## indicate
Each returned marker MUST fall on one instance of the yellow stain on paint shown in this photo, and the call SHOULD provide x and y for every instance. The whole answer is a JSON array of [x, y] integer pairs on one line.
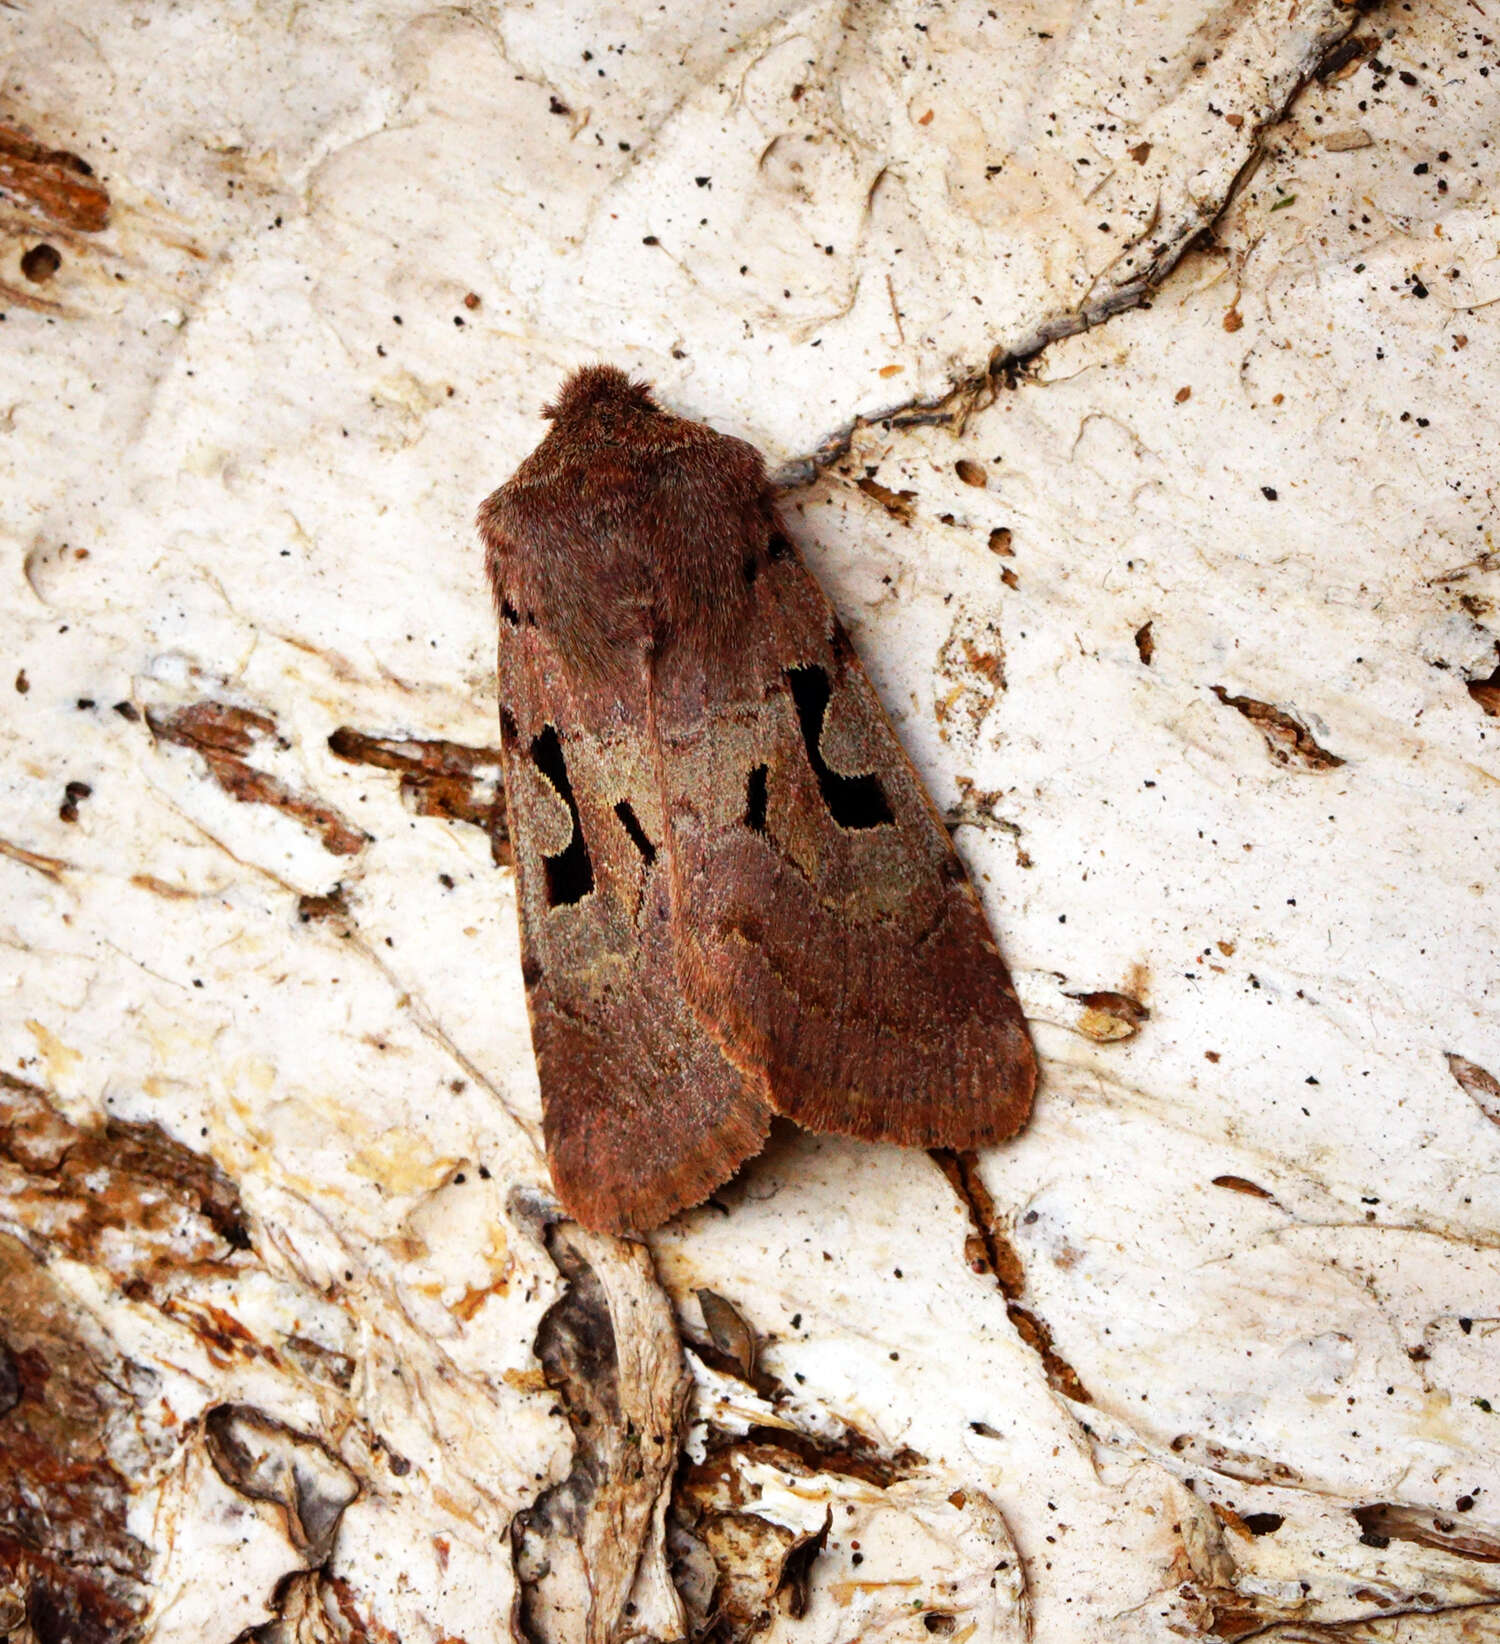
[[400, 1161], [60, 1059], [1438, 1422], [1104, 1027]]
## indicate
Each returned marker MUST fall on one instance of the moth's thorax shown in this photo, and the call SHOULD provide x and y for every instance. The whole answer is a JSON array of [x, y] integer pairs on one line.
[[628, 529]]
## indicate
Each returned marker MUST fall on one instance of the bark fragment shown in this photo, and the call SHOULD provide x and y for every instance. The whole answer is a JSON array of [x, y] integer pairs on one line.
[[990, 1250], [122, 1196], [438, 778], [68, 1563], [1385, 1521], [1288, 740], [51, 182], [80, 1424], [266, 1460], [590, 1552], [223, 734]]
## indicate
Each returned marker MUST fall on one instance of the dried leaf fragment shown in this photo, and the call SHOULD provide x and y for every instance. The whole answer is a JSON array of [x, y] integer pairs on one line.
[[594, 1543], [898, 504], [266, 1460], [731, 1335], [741, 1573], [438, 778], [1242, 1184], [1486, 692], [796, 1567]]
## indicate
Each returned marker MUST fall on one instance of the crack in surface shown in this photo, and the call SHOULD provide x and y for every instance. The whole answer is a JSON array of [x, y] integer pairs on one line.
[[1008, 367]]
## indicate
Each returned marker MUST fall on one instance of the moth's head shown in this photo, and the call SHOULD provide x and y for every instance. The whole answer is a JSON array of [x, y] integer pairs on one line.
[[599, 388]]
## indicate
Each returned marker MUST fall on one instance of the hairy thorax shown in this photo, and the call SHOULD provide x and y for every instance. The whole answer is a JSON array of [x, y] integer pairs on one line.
[[628, 544]]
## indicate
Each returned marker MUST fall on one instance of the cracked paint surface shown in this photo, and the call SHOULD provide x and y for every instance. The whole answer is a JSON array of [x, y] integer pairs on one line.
[[1190, 620]]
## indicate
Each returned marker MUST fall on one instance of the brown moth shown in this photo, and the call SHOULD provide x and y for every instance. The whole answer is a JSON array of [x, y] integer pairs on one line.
[[736, 899]]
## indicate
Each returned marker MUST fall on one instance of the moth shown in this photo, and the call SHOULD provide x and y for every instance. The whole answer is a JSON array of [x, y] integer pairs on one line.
[[736, 899]]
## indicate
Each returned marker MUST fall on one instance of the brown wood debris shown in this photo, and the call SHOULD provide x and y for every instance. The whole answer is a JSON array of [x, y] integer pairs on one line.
[[223, 734]]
